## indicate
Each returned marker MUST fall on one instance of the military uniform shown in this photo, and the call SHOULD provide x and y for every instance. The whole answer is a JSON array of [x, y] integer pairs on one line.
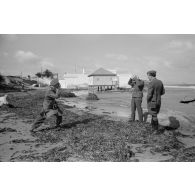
[[50, 108], [137, 95], [155, 91]]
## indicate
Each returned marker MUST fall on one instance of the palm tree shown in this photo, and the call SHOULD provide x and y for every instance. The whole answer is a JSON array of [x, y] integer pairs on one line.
[[47, 73], [38, 74]]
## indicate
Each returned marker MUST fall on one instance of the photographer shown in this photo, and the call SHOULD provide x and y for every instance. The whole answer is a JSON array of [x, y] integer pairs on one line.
[[50, 106], [137, 95]]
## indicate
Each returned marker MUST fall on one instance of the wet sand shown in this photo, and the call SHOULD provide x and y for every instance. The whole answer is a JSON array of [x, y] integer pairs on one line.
[[83, 136]]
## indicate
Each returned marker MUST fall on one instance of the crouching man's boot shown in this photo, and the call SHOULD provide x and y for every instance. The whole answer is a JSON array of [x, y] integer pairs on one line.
[[58, 121], [38, 122], [154, 123]]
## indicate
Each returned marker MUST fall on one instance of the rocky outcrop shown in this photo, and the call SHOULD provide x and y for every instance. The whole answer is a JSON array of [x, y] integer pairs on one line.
[[92, 96]]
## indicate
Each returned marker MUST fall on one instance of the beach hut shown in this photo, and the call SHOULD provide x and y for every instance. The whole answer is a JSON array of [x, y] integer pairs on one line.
[[103, 79]]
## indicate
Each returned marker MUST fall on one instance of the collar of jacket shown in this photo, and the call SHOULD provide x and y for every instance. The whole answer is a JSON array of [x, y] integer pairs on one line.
[[153, 79]]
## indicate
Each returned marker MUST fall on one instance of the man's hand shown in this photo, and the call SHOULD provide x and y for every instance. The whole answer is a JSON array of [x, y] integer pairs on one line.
[[135, 77], [57, 91]]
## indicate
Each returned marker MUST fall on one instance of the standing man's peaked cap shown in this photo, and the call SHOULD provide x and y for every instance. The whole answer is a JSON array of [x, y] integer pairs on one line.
[[152, 73]]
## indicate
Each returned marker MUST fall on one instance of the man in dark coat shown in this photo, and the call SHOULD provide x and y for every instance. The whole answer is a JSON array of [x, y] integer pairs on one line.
[[155, 91], [50, 106], [137, 95]]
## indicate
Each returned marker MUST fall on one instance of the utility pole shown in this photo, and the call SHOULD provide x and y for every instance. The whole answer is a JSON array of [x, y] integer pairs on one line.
[[83, 70], [41, 72]]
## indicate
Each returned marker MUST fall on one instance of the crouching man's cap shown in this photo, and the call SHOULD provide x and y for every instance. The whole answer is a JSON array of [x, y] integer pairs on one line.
[[152, 73], [54, 82]]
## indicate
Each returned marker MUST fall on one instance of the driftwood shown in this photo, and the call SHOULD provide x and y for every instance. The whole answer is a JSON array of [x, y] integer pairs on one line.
[[3, 100], [187, 101]]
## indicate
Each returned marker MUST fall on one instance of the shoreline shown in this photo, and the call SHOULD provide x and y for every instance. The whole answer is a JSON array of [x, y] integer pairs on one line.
[[179, 87]]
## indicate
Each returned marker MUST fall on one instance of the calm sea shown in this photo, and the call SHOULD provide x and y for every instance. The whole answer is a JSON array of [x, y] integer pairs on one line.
[[117, 104]]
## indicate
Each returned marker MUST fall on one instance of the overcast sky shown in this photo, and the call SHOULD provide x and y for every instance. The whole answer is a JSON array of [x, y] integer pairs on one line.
[[172, 56]]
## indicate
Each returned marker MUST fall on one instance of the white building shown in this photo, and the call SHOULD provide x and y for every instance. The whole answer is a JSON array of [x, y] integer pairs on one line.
[[123, 80], [100, 78], [103, 79], [74, 81]]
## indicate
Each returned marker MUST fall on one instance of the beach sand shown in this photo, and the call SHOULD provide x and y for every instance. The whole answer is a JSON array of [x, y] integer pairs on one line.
[[83, 136]]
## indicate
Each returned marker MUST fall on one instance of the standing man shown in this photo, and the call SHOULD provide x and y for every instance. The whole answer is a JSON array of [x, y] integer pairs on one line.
[[50, 106], [137, 95], [155, 91]]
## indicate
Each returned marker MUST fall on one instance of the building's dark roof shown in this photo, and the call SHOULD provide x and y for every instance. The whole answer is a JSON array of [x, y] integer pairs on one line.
[[102, 72]]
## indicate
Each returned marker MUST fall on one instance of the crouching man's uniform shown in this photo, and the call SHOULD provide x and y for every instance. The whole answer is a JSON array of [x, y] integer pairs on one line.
[[155, 91], [50, 106], [137, 95]]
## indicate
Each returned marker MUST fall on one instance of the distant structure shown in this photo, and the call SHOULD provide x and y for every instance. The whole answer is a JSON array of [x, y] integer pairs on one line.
[[123, 80], [74, 81], [99, 80], [103, 79]]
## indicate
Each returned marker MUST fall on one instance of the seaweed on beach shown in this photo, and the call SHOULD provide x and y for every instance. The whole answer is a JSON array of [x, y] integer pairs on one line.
[[7, 129], [88, 137], [103, 140], [185, 155]]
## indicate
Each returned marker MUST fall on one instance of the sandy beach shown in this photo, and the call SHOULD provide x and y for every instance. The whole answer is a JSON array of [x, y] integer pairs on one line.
[[84, 136]]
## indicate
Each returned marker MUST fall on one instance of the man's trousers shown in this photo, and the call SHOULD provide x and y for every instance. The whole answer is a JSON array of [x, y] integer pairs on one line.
[[47, 114], [154, 112], [136, 103]]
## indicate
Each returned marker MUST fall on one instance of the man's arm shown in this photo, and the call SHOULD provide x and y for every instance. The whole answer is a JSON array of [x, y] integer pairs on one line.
[[139, 83], [150, 92], [131, 82], [163, 90], [53, 95]]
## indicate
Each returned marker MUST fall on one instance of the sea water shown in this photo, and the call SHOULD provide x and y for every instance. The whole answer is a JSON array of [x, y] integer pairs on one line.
[[118, 104]]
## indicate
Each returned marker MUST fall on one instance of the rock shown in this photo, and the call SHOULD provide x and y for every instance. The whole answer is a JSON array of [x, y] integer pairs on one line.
[[67, 94], [92, 96], [173, 124]]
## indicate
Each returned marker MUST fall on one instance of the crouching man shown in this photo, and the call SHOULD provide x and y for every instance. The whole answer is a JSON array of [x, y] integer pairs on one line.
[[155, 91], [50, 106], [137, 95]]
